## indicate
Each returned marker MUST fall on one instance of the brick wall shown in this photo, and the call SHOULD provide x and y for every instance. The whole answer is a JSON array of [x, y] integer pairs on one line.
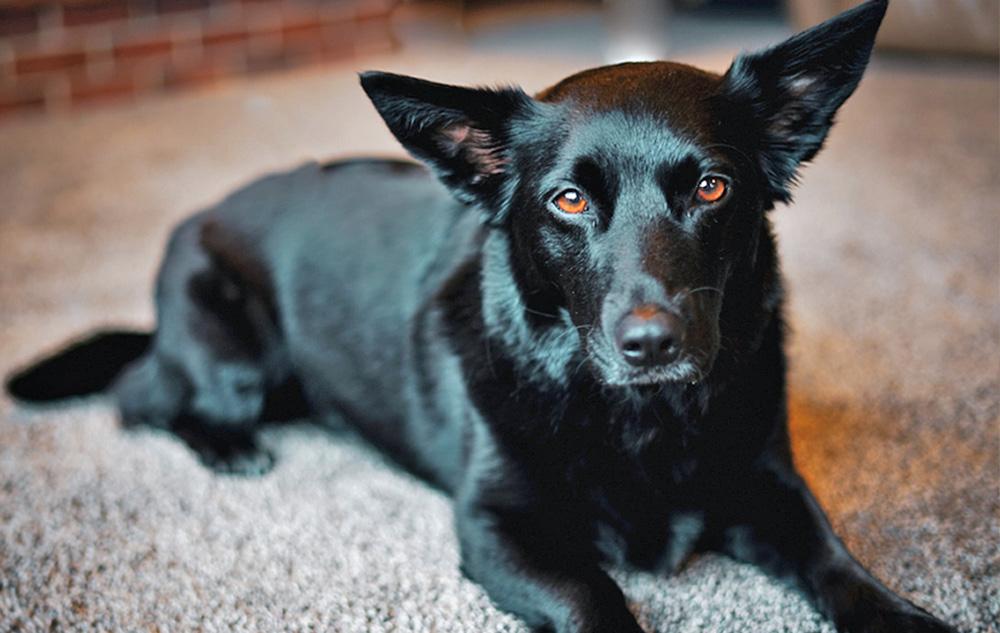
[[61, 54]]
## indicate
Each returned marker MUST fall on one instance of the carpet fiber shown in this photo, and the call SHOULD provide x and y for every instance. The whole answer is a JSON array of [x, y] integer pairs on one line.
[[891, 255]]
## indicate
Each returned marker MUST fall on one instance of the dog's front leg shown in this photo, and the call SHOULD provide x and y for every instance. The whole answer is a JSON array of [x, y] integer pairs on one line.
[[538, 575], [773, 521]]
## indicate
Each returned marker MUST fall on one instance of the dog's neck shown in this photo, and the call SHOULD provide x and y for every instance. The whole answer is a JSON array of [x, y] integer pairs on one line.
[[544, 344]]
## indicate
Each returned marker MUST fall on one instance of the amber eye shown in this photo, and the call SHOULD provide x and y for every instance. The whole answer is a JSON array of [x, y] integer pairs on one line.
[[711, 189], [571, 201]]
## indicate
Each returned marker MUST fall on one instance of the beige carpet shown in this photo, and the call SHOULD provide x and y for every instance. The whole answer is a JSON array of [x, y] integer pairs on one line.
[[891, 254]]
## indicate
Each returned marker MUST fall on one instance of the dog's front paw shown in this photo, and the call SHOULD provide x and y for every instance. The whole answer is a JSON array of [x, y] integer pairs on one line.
[[225, 450], [605, 625], [602, 618], [250, 463]]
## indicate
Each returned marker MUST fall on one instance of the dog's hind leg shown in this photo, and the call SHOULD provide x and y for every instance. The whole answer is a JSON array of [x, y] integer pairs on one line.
[[223, 355], [212, 361], [153, 392], [150, 392]]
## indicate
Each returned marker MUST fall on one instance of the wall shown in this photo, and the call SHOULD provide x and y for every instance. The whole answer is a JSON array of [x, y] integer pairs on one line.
[[58, 55]]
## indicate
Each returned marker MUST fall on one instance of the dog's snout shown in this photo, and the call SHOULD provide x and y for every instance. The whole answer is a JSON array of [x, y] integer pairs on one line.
[[649, 336]]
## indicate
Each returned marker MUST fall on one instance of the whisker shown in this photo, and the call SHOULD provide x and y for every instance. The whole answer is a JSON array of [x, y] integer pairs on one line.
[[540, 313], [580, 365], [688, 293]]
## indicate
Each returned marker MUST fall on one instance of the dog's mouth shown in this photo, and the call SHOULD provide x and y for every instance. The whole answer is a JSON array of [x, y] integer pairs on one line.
[[690, 368], [681, 371]]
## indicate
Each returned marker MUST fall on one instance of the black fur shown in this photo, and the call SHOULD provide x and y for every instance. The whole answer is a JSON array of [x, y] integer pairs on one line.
[[485, 338], [84, 367]]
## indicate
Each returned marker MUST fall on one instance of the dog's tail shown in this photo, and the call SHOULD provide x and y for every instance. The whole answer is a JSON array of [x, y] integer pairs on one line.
[[86, 366]]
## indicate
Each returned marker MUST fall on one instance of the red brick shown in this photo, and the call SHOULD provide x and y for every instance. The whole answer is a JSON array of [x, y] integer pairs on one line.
[[302, 39], [224, 36], [374, 35], [310, 28], [94, 11], [143, 48], [18, 20], [225, 56], [49, 62], [116, 89], [337, 51], [21, 102], [176, 6], [305, 57], [266, 61], [203, 75], [370, 9]]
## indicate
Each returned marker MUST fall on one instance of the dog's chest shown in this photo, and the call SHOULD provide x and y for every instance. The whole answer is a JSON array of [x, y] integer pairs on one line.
[[648, 523], [660, 547], [637, 492]]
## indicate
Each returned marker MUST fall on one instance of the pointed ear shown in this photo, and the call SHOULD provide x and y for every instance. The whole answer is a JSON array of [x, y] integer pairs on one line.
[[462, 133], [782, 100]]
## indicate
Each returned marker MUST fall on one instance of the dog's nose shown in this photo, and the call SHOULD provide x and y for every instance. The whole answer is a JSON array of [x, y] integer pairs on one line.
[[649, 336]]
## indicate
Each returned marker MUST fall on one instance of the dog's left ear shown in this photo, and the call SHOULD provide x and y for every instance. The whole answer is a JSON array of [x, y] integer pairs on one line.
[[782, 100], [462, 133]]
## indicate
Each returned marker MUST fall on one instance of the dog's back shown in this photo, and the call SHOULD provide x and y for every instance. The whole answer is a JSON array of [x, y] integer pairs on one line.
[[345, 256], [315, 277]]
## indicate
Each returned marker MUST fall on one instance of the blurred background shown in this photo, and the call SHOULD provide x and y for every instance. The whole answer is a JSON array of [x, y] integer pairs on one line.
[[118, 118], [57, 55]]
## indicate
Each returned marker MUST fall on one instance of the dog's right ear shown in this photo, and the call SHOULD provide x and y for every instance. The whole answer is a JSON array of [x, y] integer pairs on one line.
[[782, 100], [462, 133]]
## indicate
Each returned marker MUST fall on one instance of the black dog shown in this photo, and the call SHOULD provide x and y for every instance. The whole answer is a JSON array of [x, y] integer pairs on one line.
[[585, 349]]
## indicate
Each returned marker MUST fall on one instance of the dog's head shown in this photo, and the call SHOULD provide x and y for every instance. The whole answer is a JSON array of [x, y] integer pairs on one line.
[[631, 197]]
